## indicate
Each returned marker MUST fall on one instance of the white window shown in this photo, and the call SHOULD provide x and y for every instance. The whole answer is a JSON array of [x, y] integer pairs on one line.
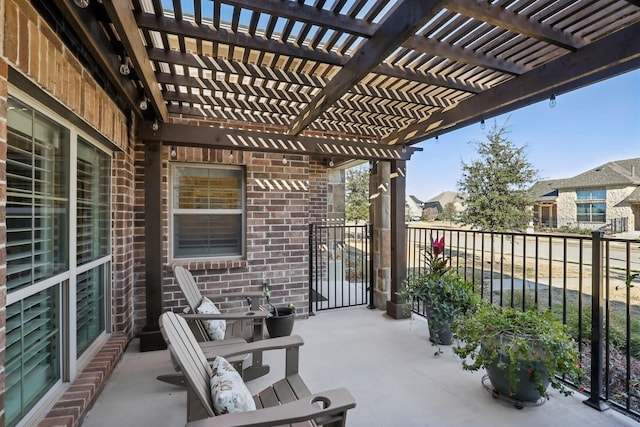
[[208, 214], [58, 253]]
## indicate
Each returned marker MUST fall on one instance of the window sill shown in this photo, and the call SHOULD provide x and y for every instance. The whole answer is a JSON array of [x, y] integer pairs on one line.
[[204, 264]]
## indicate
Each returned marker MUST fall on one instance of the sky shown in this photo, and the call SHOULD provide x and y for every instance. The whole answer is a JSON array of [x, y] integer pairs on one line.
[[587, 128]]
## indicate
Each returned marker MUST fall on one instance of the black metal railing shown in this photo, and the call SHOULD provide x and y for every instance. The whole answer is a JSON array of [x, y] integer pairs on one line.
[[582, 279], [339, 266]]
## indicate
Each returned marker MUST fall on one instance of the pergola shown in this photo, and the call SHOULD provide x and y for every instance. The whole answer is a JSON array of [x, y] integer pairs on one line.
[[336, 79], [350, 79]]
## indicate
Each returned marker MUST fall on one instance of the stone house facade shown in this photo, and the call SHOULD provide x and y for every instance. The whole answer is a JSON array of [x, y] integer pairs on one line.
[[605, 196]]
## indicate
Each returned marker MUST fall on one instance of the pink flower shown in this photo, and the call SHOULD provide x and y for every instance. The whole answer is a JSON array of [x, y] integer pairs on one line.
[[489, 328], [437, 246], [581, 389]]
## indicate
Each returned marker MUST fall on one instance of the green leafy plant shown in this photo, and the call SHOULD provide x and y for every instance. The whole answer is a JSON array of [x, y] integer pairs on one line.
[[446, 294], [517, 340]]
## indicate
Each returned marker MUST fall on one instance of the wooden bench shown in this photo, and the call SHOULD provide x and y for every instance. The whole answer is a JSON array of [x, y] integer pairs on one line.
[[286, 402]]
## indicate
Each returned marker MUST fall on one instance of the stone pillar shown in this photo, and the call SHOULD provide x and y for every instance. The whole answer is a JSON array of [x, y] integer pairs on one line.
[[379, 185], [397, 308]]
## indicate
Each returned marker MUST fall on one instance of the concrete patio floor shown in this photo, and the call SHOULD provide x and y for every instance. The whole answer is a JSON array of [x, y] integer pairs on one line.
[[388, 365]]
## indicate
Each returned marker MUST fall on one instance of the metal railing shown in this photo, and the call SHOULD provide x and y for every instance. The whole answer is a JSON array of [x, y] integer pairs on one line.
[[339, 266], [582, 279]]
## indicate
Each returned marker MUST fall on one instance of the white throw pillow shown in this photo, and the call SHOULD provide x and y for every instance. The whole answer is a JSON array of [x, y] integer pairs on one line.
[[215, 328], [229, 393]]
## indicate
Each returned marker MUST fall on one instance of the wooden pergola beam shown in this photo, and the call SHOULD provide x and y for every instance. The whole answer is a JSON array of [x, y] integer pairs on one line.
[[152, 22], [401, 23], [459, 54], [88, 29], [308, 14], [121, 16], [236, 139], [611, 55], [504, 18]]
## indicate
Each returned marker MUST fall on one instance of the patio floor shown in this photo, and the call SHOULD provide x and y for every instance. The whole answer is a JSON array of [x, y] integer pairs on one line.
[[388, 365]]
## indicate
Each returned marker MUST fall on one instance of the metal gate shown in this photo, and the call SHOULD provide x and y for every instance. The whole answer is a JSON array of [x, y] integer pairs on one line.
[[340, 267]]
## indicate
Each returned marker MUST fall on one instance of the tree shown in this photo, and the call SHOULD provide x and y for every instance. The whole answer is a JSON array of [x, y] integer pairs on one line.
[[449, 212], [357, 194], [496, 185]]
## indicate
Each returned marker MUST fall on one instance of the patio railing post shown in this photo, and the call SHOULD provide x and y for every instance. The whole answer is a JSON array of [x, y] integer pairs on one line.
[[597, 308], [369, 231], [311, 255]]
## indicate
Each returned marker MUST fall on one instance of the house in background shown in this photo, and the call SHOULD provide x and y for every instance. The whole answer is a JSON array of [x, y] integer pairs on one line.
[[608, 195], [413, 208], [434, 206]]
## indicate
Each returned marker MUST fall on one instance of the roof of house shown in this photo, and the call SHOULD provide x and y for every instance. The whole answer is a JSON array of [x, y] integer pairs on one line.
[[546, 190], [446, 197], [416, 200], [619, 172], [634, 197]]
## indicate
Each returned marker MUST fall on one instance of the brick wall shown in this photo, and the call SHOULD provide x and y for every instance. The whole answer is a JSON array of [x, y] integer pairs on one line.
[[34, 49], [277, 228]]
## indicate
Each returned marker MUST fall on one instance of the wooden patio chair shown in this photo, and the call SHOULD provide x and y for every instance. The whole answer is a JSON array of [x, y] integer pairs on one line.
[[288, 401], [255, 318]]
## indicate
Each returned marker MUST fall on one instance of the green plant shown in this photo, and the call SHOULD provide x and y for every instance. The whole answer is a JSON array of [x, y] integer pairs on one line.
[[446, 294], [515, 340]]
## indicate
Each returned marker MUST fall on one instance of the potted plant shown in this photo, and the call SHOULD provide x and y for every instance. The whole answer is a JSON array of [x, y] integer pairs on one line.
[[522, 351], [280, 323], [444, 292]]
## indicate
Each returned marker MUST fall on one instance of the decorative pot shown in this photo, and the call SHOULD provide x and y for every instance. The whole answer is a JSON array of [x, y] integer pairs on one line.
[[440, 333], [280, 324], [525, 389]]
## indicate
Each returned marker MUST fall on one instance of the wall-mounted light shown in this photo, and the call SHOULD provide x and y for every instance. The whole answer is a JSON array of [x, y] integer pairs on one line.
[[173, 152], [81, 3], [552, 100], [230, 155], [144, 103], [482, 125], [155, 126], [284, 160], [124, 66], [331, 163], [404, 148]]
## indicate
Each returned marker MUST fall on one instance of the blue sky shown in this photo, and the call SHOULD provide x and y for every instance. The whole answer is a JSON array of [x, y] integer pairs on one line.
[[587, 128]]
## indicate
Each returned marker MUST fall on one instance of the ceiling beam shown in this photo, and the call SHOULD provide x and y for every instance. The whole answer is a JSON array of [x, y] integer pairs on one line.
[[420, 77], [602, 59], [89, 30], [308, 14], [400, 24], [445, 50], [121, 16], [235, 139], [151, 22], [503, 18]]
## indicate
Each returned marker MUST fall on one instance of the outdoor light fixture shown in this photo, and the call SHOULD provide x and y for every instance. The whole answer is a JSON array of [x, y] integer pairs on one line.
[[404, 149], [124, 66], [230, 154], [155, 125], [482, 125], [284, 160], [143, 103], [81, 3], [173, 152], [331, 163], [552, 100]]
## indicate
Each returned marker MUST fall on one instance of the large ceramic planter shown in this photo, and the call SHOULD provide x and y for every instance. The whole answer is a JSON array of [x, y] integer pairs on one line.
[[280, 324], [525, 389]]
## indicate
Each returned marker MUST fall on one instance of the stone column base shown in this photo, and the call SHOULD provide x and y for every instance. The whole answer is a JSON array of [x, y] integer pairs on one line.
[[398, 311]]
